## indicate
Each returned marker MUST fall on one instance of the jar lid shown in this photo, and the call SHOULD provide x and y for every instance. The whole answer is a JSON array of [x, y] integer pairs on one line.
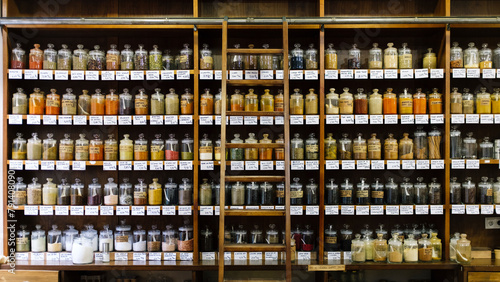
[[186, 228], [80, 50], [50, 49], [141, 50], [123, 227], [185, 185]]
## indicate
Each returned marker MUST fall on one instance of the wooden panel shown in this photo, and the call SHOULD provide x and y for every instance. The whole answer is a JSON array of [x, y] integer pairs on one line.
[[380, 8], [258, 8], [29, 276], [474, 8], [483, 276]]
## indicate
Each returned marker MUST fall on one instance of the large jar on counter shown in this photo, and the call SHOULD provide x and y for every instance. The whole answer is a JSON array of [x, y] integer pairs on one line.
[[19, 149], [49, 58], [485, 57], [252, 194], [485, 191], [354, 58], [80, 58], [185, 193], [296, 147], [360, 102], [297, 62], [390, 57], [375, 58], [346, 103], [141, 58], [332, 103], [111, 193], [77, 193], [345, 148], [330, 147], [170, 193], [456, 56], [126, 193], [36, 58], [391, 192], [464, 250], [20, 192], [346, 192], [49, 193], [205, 193], [359, 147], [34, 193], [140, 193], [127, 58], [377, 192], [471, 57], [63, 193], [331, 58]]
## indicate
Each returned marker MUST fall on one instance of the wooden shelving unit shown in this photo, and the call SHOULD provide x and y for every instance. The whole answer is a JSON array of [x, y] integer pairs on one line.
[[282, 34]]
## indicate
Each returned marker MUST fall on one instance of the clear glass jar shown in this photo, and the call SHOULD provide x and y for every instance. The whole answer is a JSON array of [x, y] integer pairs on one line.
[[18, 57], [375, 58], [346, 103], [419, 102], [96, 59], [297, 103], [360, 102], [141, 148], [495, 101], [49, 193], [297, 62], [34, 192], [84, 103], [240, 235], [280, 193], [483, 102], [266, 60], [52, 103], [64, 58], [252, 194], [390, 57], [126, 149], [464, 250], [38, 240], [468, 102], [80, 58], [485, 191], [332, 103], [106, 237], [331, 192], [111, 193], [205, 194], [96, 149], [308, 239], [68, 237], [346, 192], [235, 60], [485, 57], [170, 193], [469, 191], [455, 143], [330, 147], [185, 193], [390, 102], [126, 193], [237, 194], [471, 57], [267, 194], [311, 193], [168, 62], [237, 101], [20, 192], [345, 148], [436, 247], [34, 148], [206, 148], [455, 101], [435, 192], [171, 102], [421, 146], [155, 59], [123, 237], [391, 148], [407, 192], [36, 102], [50, 58], [469, 150], [279, 153], [362, 192], [453, 246], [251, 60], [430, 60], [140, 240], [406, 148], [311, 103], [410, 249], [375, 103], [406, 59], [297, 147], [19, 102], [140, 193], [187, 148], [434, 141], [455, 192], [354, 58], [359, 147], [19, 148], [206, 58], [68, 103], [185, 241], [113, 58], [331, 240], [251, 101], [296, 192], [256, 236], [141, 58], [358, 253], [169, 239], [331, 58], [91, 234], [36, 58], [380, 249], [94, 193], [311, 148], [237, 154], [185, 58], [391, 192], [63, 192], [77, 193], [49, 148], [155, 192], [112, 103], [311, 57], [346, 238], [456, 56], [266, 101], [377, 192], [425, 249], [405, 103], [207, 240], [435, 102], [265, 153], [395, 250], [486, 149], [127, 58], [496, 191]]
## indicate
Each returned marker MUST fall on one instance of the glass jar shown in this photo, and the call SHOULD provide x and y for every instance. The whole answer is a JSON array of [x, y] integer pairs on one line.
[[23, 239], [19, 192], [237, 194], [395, 250], [64, 58], [169, 239], [354, 58], [410, 249], [158, 148], [455, 191], [375, 103], [185, 193], [464, 250], [406, 148], [186, 104], [205, 193], [141, 103], [218, 102], [279, 153], [297, 62], [390, 103], [52, 103], [358, 253], [36, 102], [375, 58], [36, 58], [251, 60], [185, 241], [155, 59], [91, 234], [207, 103], [311, 193], [126, 149], [419, 102], [390, 57], [345, 147], [18, 57], [455, 143], [359, 148], [346, 238], [171, 103], [407, 192], [140, 238], [49, 58], [434, 140], [68, 103], [207, 240], [456, 56], [155, 193], [168, 62], [240, 235], [391, 192], [331, 58], [158, 103], [38, 240], [252, 194], [63, 192], [485, 191], [468, 105], [266, 60], [453, 246], [436, 247], [19, 148], [297, 103], [455, 101], [390, 148], [170, 193], [34, 193], [49, 193], [111, 149], [421, 147], [140, 193], [471, 57], [267, 194], [19, 102], [486, 149], [112, 58], [280, 193], [362, 192], [469, 191], [296, 192], [346, 103], [49, 148], [346, 192], [485, 57], [126, 193], [360, 102], [94, 193], [77, 193], [206, 58], [331, 243], [405, 103], [235, 60], [187, 148], [256, 236], [105, 237], [237, 101], [495, 101], [34, 147], [279, 104], [332, 103], [206, 148], [265, 154], [111, 193], [483, 102], [185, 58], [127, 58], [112, 103], [296, 147], [405, 57], [312, 148], [496, 191], [377, 192], [141, 148], [331, 192], [435, 192], [123, 238], [80, 58], [430, 60], [330, 147], [311, 57], [308, 239], [97, 103], [380, 249], [237, 154], [96, 59], [469, 147], [217, 152], [311, 103], [251, 101], [141, 58], [96, 149]]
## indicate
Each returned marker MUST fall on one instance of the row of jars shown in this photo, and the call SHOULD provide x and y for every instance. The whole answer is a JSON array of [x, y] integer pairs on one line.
[[113, 59], [108, 150], [468, 192], [375, 103], [241, 61], [250, 102], [467, 147], [424, 146], [240, 194], [474, 58], [112, 194], [124, 239], [377, 193], [240, 235], [480, 103], [104, 104]]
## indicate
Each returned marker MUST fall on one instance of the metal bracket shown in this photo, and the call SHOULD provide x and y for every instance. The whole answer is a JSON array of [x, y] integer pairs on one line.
[[448, 27], [322, 28], [195, 28]]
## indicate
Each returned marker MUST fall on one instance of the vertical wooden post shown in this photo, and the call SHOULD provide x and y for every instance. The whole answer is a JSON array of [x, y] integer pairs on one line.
[[447, 121], [321, 143], [196, 168]]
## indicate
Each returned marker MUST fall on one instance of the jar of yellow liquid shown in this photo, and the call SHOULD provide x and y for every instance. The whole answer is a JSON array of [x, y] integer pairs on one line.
[[251, 101], [267, 101], [483, 102], [430, 60], [405, 102], [495, 101]]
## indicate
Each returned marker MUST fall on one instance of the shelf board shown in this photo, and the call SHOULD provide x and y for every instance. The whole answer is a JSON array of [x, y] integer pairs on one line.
[[261, 82], [254, 212], [100, 72], [21, 208], [253, 113], [255, 178], [254, 248], [256, 145], [253, 51]]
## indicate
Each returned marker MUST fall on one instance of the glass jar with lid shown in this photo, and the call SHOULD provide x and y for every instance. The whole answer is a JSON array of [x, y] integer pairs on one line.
[[453, 246], [483, 102], [240, 235], [362, 192], [469, 147], [405, 102], [464, 250], [345, 148], [185, 193], [185, 241], [495, 101], [435, 102], [206, 58], [406, 148], [346, 192], [430, 60], [469, 191], [308, 239], [380, 249], [187, 148], [311, 103], [391, 192], [297, 62], [207, 240], [158, 103], [330, 147], [170, 193], [266, 60], [390, 57], [280, 193], [207, 103], [390, 102], [375, 103], [410, 249], [358, 253], [34, 147], [420, 143], [331, 240], [97, 103], [236, 154], [34, 192], [471, 56], [407, 192], [126, 103], [251, 60], [171, 103], [297, 103], [311, 193], [19, 148], [63, 192], [218, 102], [111, 193], [19, 102], [468, 102], [419, 102], [390, 148], [296, 192], [272, 235], [297, 148], [126, 149], [375, 58], [496, 57], [105, 237], [113, 58], [50, 58], [486, 149], [141, 103], [267, 194], [266, 101], [141, 58], [311, 57], [217, 148], [359, 148], [312, 148], [49, 193], [94, 193], [185, 58], [237, 101], [252, 194], [36, 102], [112, 103], [49, 148], [360, 102], [206, 148], [455, 101], [140, 193], [455, 191], [238, 194], [377, 192], [456, 56], [421, 192], [80, 58], [77, 193], [52, 103], [155, 59], [235, 60], [485, 191], [38, 240], [332, 103], [434, 141], [345, 238], [265, 154], [96, 149], [496, 191], [279, 153], [455, 143], [141, 148], [346, 103], [127, 58], [436, 247], [435, 192], [395, 250], [96, 59], [155, 193], [485, 57], [126, 193], [123, 237], [18, 57], [154, 239], [354, 58], [22, 239], [205, 194], [36, 58], [256, 236], [158, 149], [169, 239], [405, 57], [251, 101], [19, 196], [68, 103], [331, 192], [168, 62], [331, 58]]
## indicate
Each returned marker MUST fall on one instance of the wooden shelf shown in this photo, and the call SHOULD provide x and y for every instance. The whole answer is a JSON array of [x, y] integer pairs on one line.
[[254, 248], [100, 72], [21, 208], [254, 212], [261, 82], [253, 113], [255, 178], [254, 51], [256, 145]]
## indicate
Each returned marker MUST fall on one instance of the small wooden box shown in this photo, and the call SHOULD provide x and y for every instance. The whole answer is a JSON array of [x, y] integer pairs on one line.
[[481, 253]]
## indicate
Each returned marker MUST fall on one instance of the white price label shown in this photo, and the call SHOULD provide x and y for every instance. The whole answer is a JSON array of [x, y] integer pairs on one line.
[[346, 74], [459, 73], [296, 120], [487, 209], [408, 164], [124, 165], [407, 74], [91, 75], [472, 118], [76, 210], [266, 165], [137, 75], [331, 210], [363, 165], [296, 210], [207, 165], [457, 119], [331, 74], [227, 256], [184, 210], [168, 210], [421, 209], [237, 165], [486, 119], [65, 120], [392, 210], [472, 164], [153, 210], [312, 210], [38, 256], [378, 165], [235, 74], [332, 119], [392, 164], [458, 164], [185, 165], [240, 255], [16, 165], [138, 210], [297, 165], [347, 119], [312, 165], [334, 255], [312, 119], [158, 120], [187, 120], [271, 256], [30, 74], [53, 256], [122, 75], [376, 74], [391, 119], [121, 256], [183, 75], [80, 120], [49, 120], [361, 119], [33, 120], [296, 75], [421, 119], [348, 165], [279, 120], [62, 210], [30, 210], [472, 209], [362, 210], [391, 74], [437, 73], [47, 165], [206, 74], [377, 210], [304, 255], [437, 164], [110, 120], [107, 75], [473, 73], [311, 75], [347, 210], [497, 209], [169, 256], [139, 120], [152, 75], [266, 120], [167, 75], [91, 210], [267, 207], [360, 74], [437, 119], [421, 73], [218, 75], [236, 120], [122, 210], [206, 210], [61, 75], [154, 256], [107, 211], [46, 75], [208, 256], [77, 75], [251, 74], [406, 209], [280, 165], [255, 256], [140, 165], [15, 74], [407, 119], [250, 120], [423, 164], [15, 119], [266, 74], [376, 119], [46, 210], [31, 165], [489, 73], [170, 165], [157, 165], [96, 120], [108, 165], [66, 257], [252, 165]]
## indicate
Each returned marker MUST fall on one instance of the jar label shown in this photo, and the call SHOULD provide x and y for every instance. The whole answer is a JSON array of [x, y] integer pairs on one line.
[[296, 194], [205, 149], [331, 240], [406, 103], [280, 194], [359, 149], [53, 103], [482, 102], [121, 239], [140, 148], [489, 192], [23, 240], [95, 150], [70, 104], [126, 149], [378, 194], [438, 102], [362, 193], [140, 195], [110, 149], [65, 149], [390, 147], [156, 148], [207, 60], [312, 148], [374, 148], [141, 103], [345, 193]]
